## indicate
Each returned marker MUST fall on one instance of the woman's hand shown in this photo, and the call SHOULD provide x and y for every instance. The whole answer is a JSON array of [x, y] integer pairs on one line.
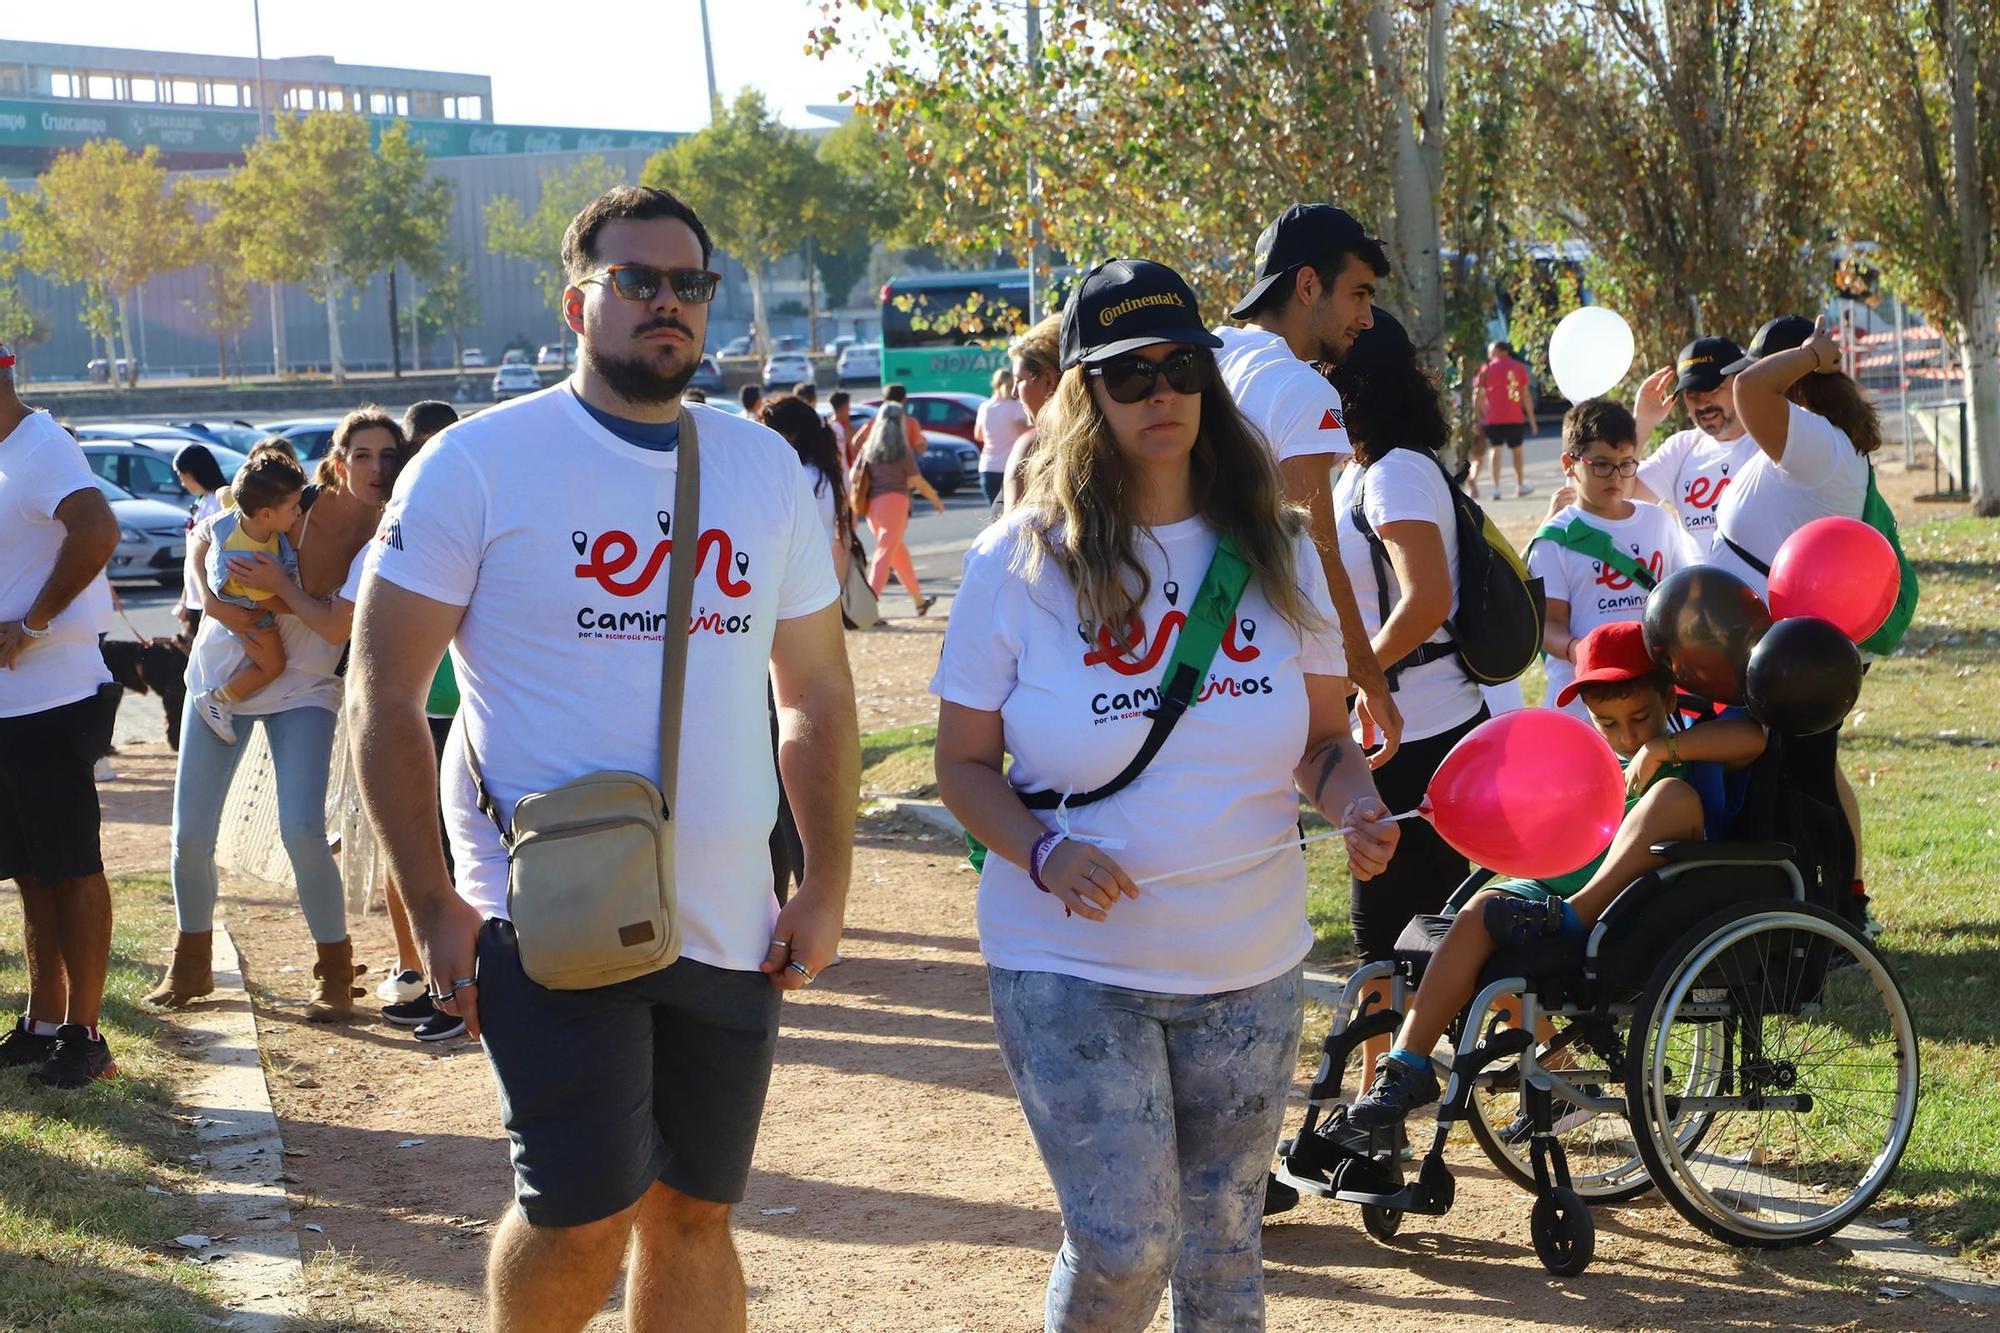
[[937, 504], [1644, 764], [1085, 879], [1655, 400], [260, 572], [1824, 347], [236, 619], [1370, 840]]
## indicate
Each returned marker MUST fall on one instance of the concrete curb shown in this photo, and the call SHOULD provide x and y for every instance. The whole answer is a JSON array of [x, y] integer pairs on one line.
[[243, 1200]]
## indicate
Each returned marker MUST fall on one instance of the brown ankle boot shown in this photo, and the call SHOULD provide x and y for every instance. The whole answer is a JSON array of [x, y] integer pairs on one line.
[[191, 973], [334, 989]]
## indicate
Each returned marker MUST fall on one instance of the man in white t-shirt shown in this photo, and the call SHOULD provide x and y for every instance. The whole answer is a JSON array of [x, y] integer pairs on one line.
[[57, 533], [1692, 469], [535, 539], [1315, 291]]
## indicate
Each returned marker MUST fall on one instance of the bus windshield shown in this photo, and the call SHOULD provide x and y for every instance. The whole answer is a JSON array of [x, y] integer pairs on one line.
[[948, 332]]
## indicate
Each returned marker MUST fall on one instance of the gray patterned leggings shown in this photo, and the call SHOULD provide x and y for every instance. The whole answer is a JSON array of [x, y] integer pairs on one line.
[[1155, 1116]]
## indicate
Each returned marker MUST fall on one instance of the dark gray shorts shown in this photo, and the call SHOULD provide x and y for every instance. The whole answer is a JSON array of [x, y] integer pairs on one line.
[[605, 1091]]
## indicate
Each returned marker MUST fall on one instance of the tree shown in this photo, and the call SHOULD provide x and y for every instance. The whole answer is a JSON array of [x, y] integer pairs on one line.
[[855, 200], [751, 179], [21, 325], [399, 217], [1922, 178], [450, 305], [106, 217], [296, 203], [537, 236], [216, 246]]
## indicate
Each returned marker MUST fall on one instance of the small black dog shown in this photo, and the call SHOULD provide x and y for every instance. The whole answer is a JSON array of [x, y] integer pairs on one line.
[[158, 667]]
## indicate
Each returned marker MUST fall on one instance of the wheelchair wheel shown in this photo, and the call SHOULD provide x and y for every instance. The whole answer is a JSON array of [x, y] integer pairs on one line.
[[1814, 1093], [1602, 1152], [1382, 1223], [1565, 1236]]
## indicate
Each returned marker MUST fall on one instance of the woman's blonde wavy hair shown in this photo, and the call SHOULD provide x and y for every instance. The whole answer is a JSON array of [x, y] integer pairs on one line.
[[1083, 497]]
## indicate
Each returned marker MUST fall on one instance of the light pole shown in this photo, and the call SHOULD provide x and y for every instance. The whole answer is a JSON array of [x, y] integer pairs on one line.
[[264, 132], [708, 55], [1034, 178]]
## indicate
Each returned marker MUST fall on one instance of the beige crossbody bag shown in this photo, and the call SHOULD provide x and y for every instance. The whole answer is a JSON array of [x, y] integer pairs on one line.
[[590, 864]]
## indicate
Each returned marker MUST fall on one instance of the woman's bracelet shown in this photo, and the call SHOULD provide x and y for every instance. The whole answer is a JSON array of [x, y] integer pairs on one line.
[[1038, 856]]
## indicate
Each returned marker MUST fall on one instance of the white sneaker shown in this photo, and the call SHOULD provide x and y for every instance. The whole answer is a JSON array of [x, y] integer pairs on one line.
[[217, 715], [1496, 492], [1523, 488], [104, 772], [401, 988]]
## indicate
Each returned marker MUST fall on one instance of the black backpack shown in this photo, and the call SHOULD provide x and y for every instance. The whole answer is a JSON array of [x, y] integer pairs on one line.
[[1496, 632]]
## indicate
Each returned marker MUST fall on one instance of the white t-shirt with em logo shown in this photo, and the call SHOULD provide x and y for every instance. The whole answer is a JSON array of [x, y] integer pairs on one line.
[[1690, 471], [553, 534], [1600, 596], [1073, 717]]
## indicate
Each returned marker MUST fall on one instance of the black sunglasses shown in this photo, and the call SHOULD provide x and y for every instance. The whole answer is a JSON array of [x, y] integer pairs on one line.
[[642, 282], [1130, 379]]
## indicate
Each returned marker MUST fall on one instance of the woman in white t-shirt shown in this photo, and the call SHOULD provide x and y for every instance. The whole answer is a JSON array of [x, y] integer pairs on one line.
[[1149, 1018], [1001, 421], [1406, 590], [202, 475]]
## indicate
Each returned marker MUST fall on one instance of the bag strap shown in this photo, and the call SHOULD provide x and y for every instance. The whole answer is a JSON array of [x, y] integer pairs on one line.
[[1208, 619], [1378, 557], [681, 564], [1595, 542], [1747, 558]]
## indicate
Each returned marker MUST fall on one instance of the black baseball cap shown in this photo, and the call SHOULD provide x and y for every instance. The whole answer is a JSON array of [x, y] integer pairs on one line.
[[1125, 304], [1385, 342], [1780, 335], [1302, 234], [1704, 363]]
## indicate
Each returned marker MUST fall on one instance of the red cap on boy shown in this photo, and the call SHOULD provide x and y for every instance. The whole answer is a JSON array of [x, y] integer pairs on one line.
[[1608, 655]]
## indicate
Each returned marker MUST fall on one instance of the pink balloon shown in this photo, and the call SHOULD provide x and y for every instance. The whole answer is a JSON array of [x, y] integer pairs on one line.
[[1531, 793], [1840, 570]]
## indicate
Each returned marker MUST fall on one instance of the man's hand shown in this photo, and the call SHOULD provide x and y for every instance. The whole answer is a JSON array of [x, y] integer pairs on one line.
[[1371, 841], [13, 642], [447, 932], [1377, 707], [1655, 400], [807, 933]]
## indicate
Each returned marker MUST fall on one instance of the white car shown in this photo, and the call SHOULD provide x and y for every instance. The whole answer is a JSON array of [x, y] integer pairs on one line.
[[152, 537], [473, 358], [785, 369], [860, 363], [511, 381]]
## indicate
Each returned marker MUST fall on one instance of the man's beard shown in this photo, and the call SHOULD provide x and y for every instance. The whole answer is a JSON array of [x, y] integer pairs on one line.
[[1714, 423], [637, 379]]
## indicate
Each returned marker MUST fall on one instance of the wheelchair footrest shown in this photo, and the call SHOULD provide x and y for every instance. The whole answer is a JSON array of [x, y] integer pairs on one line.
[[1431, 1194]]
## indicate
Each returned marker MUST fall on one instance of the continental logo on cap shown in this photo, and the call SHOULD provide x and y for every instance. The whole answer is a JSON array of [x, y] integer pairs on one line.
[[1112, 313], [1691, 361]]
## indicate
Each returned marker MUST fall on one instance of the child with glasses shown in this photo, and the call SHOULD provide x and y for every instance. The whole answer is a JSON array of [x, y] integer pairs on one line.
[[1599, 556]]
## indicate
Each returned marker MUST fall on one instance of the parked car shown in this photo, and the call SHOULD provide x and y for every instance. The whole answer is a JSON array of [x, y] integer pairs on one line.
[[552, 354], [860, 363], [99, 369], [141, 472], [789, 345], [472, 359], [840, 344], [707, 377], [952, 413], [238, 435], [310, 437], [152, 537], [736, 347], [515, 378], [947, 462], [514, 356], [785, 369]]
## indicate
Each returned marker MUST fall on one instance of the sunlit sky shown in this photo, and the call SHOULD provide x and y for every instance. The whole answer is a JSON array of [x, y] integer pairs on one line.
[[610, 64]]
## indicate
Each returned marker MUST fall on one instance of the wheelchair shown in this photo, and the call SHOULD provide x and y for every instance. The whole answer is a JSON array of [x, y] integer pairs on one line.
[[1728, 1034]]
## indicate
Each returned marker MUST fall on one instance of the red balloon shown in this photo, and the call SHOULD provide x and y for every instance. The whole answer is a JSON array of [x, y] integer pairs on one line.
[[1840, 570], [1531, 793]]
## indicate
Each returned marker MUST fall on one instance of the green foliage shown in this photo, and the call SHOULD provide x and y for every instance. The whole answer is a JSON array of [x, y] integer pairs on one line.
[[297, 201], [450, 304], [216, 243], [536, 236], [399, 211]]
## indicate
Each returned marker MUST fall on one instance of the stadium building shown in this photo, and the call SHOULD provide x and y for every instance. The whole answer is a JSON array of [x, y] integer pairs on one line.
[[201, 111]]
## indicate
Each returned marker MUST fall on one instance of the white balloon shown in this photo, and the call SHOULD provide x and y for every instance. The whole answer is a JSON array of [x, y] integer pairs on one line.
[[1590, 352]]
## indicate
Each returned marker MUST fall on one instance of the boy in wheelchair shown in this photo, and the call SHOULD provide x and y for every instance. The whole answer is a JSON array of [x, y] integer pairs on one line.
[[1681, 786]]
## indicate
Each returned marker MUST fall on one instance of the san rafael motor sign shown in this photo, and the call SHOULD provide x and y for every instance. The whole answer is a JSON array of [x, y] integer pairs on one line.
[[64, 124]]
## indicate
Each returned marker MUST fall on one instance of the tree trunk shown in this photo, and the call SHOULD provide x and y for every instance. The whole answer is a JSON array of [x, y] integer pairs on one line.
[[1979, 356], [416, 333], [457, 348], [1978, 281], [336, 362], [131, 376], [1416, 242], [760, 328], [395, 331]]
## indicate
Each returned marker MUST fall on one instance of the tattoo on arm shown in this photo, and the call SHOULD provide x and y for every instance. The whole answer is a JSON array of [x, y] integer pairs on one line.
[[1328, 754]]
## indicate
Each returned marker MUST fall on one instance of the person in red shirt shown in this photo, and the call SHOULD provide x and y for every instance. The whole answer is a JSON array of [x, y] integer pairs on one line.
[[1506, 415]]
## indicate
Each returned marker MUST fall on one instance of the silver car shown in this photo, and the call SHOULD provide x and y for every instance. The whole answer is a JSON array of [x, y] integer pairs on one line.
[[152, 537]]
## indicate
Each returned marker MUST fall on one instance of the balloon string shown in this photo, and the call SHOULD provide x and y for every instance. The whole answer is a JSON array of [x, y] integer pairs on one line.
[[1262, 852]]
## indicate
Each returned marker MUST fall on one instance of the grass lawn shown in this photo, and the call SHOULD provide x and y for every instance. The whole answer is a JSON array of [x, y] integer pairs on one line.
[[85, 1243], [1923, 751]]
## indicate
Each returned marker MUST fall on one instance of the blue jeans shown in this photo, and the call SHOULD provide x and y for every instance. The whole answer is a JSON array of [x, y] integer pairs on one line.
[[991, 484], [1155, 1115], [302, 752]]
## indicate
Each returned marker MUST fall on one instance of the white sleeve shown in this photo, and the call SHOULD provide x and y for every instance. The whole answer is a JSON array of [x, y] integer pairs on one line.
[[1305, 418], [1545, 562], [350, 591], [1321, 651], [1813, 446], [808, 584], [1395, 489], [981, 660], [58, 471], [1658, 470], [433, 533]]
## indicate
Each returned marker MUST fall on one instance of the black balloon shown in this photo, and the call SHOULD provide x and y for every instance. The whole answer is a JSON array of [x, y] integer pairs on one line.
[[1804, 676], [1701, 623]]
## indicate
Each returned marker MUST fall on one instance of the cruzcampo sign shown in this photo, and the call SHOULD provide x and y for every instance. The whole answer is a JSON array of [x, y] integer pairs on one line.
[[62, 124]]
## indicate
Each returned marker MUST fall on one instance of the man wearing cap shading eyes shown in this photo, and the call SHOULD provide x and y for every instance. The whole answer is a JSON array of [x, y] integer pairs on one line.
[[1317, 270], [1693, 468]]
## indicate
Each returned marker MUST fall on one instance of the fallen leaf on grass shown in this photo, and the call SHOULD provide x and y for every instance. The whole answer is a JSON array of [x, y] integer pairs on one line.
[[1895, 1224], [194, 1240], [314, 1226], [155, 1189], [413, 1143], [1893, 1293]]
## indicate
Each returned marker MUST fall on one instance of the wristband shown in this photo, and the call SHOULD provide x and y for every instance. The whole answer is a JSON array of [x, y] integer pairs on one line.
[[32, 633], [1673, 750], [1038, 857]]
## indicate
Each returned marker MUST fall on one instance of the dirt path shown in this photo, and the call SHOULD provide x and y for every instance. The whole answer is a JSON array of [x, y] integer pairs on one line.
[[896, 1187]]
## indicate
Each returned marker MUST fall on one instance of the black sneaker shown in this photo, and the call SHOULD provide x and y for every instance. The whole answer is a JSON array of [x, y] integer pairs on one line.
[[76, 1061], [441, 1026], [20, 1048], [1398, 1089], [411, 1013]]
